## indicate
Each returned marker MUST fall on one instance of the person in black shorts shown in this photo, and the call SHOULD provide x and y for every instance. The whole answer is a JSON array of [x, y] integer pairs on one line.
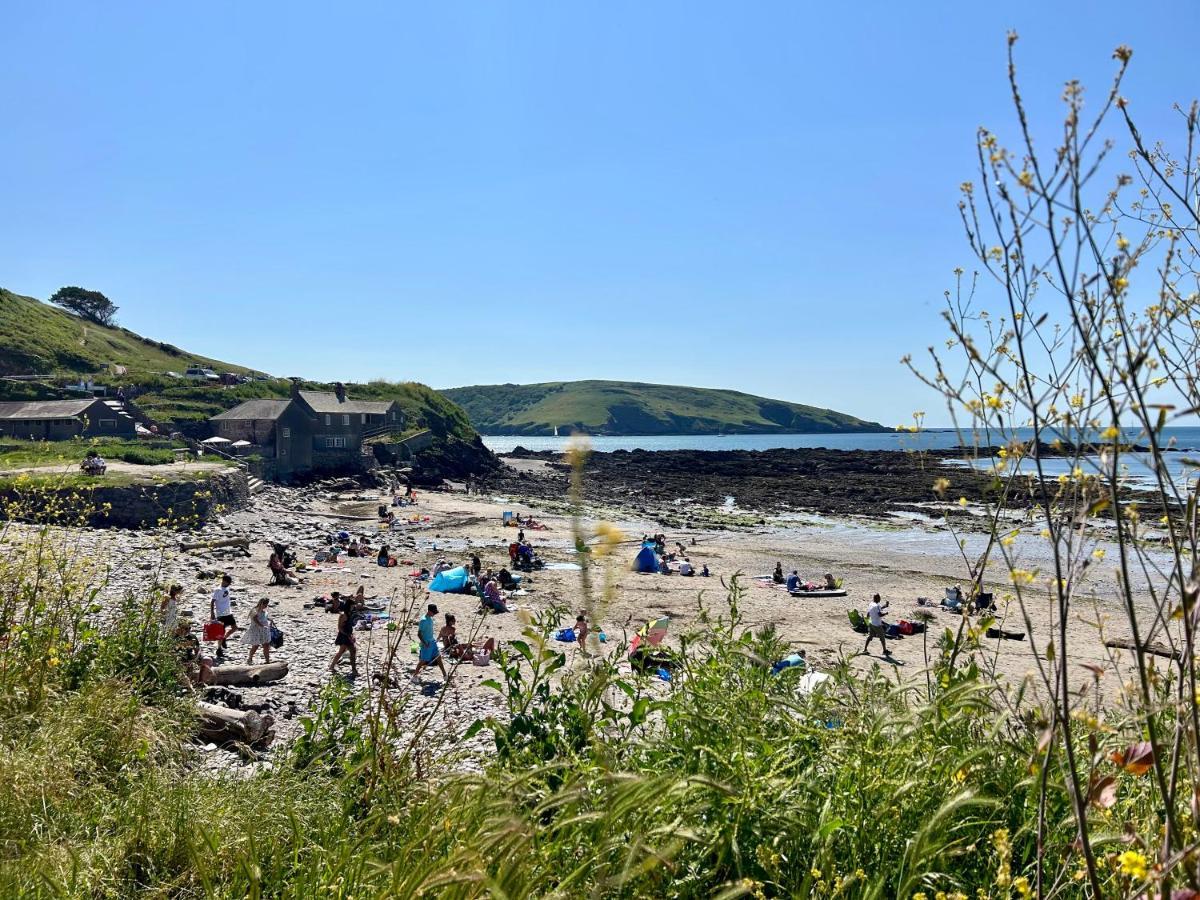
[[221, 609]]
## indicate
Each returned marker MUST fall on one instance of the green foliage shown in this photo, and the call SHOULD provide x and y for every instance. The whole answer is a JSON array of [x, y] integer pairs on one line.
[[617, 407], [90, 305], [41, 340], [16, 454]]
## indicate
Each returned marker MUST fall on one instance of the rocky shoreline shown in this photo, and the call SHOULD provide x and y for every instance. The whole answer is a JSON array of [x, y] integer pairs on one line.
[[830, 482]]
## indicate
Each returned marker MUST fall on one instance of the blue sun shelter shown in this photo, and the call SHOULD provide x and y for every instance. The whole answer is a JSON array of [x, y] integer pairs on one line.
[[646, 561], [451, 581]]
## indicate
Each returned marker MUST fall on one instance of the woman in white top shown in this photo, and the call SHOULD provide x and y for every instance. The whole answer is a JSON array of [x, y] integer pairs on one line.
[[170, 609], [258, 633]]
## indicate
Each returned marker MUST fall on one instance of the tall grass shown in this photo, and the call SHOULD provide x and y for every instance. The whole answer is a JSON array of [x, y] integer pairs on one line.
[[727, 780]]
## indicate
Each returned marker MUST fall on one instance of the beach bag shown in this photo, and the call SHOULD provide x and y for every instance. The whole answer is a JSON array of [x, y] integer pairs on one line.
[[905, 626], [276, 637], [214, 631], [481, 658], [567, 636]]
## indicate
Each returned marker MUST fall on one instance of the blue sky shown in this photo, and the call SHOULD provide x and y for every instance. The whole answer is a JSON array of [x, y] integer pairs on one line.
[[755, 196]]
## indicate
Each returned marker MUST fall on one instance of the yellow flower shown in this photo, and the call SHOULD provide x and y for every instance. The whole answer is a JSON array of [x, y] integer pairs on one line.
[[1098, 553], [1111, 433], [1021, 883], [1133, 864], [962, 501], [1026, 178], [1120, 283], [1122, 242]]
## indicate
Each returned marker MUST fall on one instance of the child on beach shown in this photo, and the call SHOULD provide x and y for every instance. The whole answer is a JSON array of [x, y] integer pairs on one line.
[[581, 631], [221, 610], [345, 638], [258, 634]]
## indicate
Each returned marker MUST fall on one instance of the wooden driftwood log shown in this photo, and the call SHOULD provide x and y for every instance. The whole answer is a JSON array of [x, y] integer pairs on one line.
[[243, 542], [222, 725], [1154, 647], [248, 675]]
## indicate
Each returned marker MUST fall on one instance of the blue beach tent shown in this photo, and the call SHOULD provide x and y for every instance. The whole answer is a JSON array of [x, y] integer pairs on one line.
[[646, 561], [451, 581]]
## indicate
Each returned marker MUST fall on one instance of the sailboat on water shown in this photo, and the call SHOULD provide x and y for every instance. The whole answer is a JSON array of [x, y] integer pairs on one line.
[[556, 431]]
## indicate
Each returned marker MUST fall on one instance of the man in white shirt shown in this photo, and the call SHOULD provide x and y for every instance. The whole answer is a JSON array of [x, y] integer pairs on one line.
[[875, 627], [221, 610]]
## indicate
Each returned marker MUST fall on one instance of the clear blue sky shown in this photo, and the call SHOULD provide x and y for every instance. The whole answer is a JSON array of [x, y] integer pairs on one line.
[[758, 196]]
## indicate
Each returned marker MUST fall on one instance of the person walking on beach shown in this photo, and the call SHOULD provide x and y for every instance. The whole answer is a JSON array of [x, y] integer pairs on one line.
[[258, 633], [875, 627], [221, 610], [427, 635], [345, 638]]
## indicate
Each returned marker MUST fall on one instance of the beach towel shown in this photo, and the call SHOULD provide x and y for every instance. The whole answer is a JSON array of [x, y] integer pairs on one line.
[[567, 636]]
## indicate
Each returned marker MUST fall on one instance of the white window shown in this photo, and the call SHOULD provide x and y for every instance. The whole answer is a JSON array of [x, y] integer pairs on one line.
[[108, 423], [328, 419], [345, 418], [287, 433], [331, 442], [364, 418], [393, 415]]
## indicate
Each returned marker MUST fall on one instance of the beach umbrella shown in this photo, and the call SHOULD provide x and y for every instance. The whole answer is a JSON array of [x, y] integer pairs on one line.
[[242, 444], [213, 441]]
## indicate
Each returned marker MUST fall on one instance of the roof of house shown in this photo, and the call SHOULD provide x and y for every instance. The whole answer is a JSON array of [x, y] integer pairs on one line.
[[255, 409], [322, 402], [45, 409]]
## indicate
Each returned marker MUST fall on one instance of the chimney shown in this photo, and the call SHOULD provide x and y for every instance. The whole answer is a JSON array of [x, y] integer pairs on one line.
[[340, 390], [295, 388]]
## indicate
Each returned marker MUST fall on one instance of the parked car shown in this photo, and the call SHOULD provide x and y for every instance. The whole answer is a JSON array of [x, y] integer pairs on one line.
[[201, 373]]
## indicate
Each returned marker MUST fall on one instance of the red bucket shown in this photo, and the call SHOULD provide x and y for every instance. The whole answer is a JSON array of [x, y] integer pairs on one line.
[[214, 631]]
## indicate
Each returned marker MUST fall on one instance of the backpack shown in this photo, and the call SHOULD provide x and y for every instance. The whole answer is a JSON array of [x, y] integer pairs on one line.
[[276, 637]]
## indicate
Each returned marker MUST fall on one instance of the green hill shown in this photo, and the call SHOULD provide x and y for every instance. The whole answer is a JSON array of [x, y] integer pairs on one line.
[[39, 339], [621, 408]]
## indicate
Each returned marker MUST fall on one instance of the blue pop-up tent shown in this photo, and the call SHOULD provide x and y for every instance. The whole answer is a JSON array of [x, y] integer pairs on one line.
[[451, 581], [646, 561]]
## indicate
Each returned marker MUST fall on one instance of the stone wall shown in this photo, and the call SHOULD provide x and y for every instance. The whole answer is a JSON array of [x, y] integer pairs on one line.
[[181, 504]]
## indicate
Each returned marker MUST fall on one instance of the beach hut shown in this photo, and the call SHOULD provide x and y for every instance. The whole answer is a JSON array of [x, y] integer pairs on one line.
[[645, 561]]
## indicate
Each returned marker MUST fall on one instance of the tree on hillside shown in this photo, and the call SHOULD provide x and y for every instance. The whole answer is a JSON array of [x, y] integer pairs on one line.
[[91, 305]]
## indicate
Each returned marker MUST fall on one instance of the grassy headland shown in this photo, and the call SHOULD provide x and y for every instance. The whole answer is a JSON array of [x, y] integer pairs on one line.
[[620, 408]]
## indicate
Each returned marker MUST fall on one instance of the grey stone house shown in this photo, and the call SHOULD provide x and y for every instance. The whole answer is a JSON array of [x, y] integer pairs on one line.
[[60, 420], [313, 431]]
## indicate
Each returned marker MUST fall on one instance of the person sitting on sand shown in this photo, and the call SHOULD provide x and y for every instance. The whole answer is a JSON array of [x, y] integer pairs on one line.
[[384, 558], [279, 572], [507, 582], [492, 598], [793, 582], [685, 567], [462, 651], [777, 575], [704, 573], [830, 583]]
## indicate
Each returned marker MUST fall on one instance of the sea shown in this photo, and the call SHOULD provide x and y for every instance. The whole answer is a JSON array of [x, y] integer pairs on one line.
[[1180, 465]]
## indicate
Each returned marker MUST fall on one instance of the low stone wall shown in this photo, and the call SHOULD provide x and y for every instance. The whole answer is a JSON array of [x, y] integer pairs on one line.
[[180, 504]]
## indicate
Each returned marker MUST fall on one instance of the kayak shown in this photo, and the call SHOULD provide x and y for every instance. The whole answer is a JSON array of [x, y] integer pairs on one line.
[[837, 592]]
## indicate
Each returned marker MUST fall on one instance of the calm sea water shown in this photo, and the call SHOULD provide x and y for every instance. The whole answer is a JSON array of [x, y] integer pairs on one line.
[[1186, 439]]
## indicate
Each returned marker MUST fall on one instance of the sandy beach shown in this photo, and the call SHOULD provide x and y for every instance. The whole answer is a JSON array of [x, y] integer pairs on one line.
[[900, 559]]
